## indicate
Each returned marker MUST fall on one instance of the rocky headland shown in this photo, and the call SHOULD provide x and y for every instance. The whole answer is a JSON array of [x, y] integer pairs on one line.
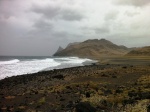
[[93, 48]]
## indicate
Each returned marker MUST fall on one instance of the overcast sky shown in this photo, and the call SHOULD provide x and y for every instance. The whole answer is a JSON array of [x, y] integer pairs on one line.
[[39, 27]]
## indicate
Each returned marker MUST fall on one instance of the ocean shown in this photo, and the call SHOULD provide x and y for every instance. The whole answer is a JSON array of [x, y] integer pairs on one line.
[[19, 65]]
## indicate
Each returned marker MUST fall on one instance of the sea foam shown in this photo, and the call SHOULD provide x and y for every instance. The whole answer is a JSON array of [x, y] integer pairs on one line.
[[16, 67], [26, 66], [9, 62]]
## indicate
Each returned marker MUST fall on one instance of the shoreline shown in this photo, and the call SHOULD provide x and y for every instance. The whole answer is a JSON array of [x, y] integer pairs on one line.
[[15, 67], [61, 90]]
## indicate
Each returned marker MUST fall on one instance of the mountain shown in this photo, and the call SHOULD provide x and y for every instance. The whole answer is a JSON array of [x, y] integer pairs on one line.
[[74, 43], [144, 51], [59, 49], [93, 48]]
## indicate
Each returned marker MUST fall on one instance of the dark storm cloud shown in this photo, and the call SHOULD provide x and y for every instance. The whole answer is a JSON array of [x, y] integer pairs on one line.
[[133, 2], [51, 12]]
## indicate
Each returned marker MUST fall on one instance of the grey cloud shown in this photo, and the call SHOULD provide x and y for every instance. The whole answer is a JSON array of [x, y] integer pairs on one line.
[[102, 30], [71, 16], [131, 14], [111, 15], [123, 39], [136, 3], [48, 11], [66, 37], [96, 30], [42, 24], [60, 34], [39, 27], [10, 8], [51, 12], [5, 13], [45, 30]]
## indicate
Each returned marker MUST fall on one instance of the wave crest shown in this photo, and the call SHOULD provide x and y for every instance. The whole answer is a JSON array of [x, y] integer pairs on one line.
[[9, 62]]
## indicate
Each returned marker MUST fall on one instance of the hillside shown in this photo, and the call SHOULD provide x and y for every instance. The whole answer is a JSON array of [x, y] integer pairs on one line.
[[93, 48], [144, 51], [74, 43]]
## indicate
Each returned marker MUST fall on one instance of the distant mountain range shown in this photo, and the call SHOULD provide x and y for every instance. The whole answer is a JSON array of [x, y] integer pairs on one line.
[[93, 48], [144, 51]]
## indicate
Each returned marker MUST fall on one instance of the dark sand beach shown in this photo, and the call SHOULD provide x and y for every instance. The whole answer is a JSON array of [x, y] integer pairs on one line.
[[115, 85]]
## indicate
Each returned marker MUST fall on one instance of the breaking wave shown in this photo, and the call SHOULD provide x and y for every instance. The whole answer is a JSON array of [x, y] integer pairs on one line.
[[26, 66], [9, 62]]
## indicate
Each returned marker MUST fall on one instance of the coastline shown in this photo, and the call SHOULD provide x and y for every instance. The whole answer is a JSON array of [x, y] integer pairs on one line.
[[13, 66], [67, 89]]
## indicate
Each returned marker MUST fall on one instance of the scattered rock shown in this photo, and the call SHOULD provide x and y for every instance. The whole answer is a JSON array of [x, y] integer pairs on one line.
[[148, 108], [58, 77], [104, 75], [124, 67], [119, 91], [107, 92], [84, 107], [87, 94], [62, 99], [114, 76]]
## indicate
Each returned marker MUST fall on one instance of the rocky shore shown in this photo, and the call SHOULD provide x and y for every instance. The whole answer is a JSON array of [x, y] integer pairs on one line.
[[91, 88]]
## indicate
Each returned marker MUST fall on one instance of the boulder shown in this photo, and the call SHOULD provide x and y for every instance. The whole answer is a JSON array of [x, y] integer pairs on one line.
[[58, 77]]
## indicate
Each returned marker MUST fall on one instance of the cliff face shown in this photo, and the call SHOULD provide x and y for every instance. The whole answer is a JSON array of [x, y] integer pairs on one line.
[[144, 51], [93, 48]]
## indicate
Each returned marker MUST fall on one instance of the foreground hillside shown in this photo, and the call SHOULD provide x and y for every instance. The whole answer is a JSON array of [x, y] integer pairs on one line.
[[144, 51], [93, 48], [94, 88]]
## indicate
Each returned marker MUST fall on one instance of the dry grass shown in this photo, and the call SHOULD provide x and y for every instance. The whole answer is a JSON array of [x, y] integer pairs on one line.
[[9, 97], [41, 101], [141, 106]]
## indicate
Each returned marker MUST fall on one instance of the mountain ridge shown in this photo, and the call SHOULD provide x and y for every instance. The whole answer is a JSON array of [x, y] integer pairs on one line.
[[94, 48], [143, 51], [59, 49]]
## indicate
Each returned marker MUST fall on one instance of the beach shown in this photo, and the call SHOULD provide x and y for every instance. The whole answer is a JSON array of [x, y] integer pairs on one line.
[[98, 87]]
